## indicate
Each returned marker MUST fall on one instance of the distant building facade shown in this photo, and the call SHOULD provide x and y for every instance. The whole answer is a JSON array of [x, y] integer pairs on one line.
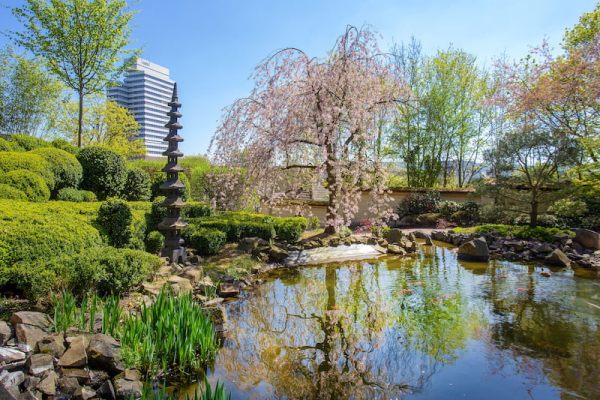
[[145, 91]]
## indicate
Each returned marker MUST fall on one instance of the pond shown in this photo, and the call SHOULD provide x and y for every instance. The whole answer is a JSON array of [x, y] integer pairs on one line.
[[428, 327]]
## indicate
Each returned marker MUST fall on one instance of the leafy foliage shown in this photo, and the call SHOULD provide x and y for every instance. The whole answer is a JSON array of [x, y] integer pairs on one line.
[[9, 192], [154, 242], [64, 165], [205, 241], [419, 203], [28, 182], [137, 187], [75, 195], [10, 161], [104, 171], [519, 231], [115, 217]]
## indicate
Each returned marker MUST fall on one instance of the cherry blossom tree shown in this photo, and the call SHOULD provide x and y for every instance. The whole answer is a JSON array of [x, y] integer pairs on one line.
[[314, 121]]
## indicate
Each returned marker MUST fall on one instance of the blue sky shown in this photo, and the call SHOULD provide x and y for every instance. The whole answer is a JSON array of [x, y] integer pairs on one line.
[[211, 47]]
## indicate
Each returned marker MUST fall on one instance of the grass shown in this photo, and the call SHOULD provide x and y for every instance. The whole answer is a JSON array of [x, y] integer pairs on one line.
[[173, 336], [518, 231], [67, 314], [208, 393]]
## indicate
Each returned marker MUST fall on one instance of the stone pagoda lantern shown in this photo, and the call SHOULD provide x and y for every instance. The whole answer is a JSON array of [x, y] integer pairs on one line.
[[172, 224]]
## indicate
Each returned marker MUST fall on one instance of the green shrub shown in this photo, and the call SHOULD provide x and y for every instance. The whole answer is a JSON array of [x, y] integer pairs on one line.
[[419, 203], [9, 192], [137, 187], [10, 161], [88, 196], [107, 270], [519, 231], [28, 182], [104, 171], [27, 142], [75, 195], [66, 169], [159, 179], [313, 223], [290, 229], [447, 208], [115, 218], [191, 209], [154, 242], [206, 241], [65, 145], [194, 209], [5, 145]]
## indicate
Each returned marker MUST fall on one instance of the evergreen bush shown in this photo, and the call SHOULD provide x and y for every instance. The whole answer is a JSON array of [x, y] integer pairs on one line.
[[27, 142], [28, 182], [104, 171], [206, 241], [64, 165], [419, 203], [75, 195], [65, 145], [10, 161], [115, 218], [154, 242], [5, 145], [138, 185], [9, 192]]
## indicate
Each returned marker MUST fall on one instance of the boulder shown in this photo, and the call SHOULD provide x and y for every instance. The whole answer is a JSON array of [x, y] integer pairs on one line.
[[68, 385], [84, 393], [394, 235], [408, 245], [558, 259], [97, 378], [82, 375], [395, 249], [587, 238], [30, 394], [75, 356], [28, 336], [48, 384], [9, 355], [125, 389], [428, 241], [250, 243], [52, 344], [32, 318], [9, 384], [103, 353], [106, 391], [474, 250], [228, 290], [277, 254], [193, 274], [5, 333], [40, 363], [542, 248], [180, 285]]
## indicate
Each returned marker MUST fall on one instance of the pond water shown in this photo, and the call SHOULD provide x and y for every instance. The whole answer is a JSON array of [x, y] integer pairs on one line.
[[428, 327]]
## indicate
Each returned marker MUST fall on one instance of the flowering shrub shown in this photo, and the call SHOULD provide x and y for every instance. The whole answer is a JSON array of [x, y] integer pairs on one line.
[[419, 203]]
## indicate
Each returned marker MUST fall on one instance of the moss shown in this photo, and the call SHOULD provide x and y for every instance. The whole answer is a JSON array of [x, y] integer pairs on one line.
[[518, 231]]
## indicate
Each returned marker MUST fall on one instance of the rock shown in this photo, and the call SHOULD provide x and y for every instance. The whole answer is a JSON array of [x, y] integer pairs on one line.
[[546, 273], [5, 333], [82, 375], [76, 355], [40, 363], [542, 248], [52, 344], [28, 336], [382, 242], [408, 245], [428, 241], [180, 285], [228, 290], [250, 243], [9, 355], [587, 238], [152, 288], [394, 235], [380, 249], [474, 250], [104, 353], [277, 254], [32, 318], [97, 378], [420, 235], [48, 384], [31, 382], [213, 302], [125, 389], [193, 274], [395, 249], [558, 258], [68, 385], [84, 393], [9, 393], [30, 394], [106, 391], [10, 379]]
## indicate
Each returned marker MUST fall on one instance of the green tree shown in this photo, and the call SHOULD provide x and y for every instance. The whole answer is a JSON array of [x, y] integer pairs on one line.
[[106, 124], [29, 96], [82, 41]]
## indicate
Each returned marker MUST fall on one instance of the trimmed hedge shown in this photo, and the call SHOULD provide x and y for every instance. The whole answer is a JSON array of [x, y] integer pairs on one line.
[[519, 231], [154, 242], [191, 209], [158, 180], [10, 161], [75, 195], [27, 142], [104, 171], [28, 182], [205, 241], [66, 169], [9, 192], [65, 145], [137, 186], [5, 145], [115, 218]]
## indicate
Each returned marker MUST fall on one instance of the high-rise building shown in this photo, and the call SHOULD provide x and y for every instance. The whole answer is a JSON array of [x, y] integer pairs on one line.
[[145, 91]]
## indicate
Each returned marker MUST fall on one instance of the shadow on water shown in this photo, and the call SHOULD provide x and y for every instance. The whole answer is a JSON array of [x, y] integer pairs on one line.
[[426, 327]]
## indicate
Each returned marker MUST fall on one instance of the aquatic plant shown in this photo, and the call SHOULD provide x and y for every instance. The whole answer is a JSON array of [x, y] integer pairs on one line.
[[65, 312], [150, 392], [171, 336]]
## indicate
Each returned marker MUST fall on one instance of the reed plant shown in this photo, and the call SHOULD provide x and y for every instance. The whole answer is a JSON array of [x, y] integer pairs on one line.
[[150, 392], [173, 336], [68, 315]]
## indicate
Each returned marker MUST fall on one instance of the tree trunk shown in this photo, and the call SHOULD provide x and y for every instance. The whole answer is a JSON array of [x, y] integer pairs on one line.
[[80, 121], [533, 214], [332, 206]]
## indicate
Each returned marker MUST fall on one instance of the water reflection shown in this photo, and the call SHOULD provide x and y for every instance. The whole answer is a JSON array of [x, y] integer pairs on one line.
[[427, 327]]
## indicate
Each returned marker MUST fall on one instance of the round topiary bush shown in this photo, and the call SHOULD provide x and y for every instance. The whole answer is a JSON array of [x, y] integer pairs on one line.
[[154, 242], [137, 187], [5, 145], [158, 179], [9, 192], [64, 165], [13, 160], [207, 241], [28, 182], [75, 195], [104, 171], [27, 142], [115, 217], [65, 145]]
